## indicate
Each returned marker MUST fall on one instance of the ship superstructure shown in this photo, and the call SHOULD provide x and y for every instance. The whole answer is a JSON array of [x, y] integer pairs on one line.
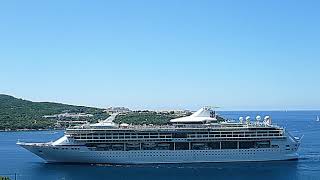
[[196, 138]]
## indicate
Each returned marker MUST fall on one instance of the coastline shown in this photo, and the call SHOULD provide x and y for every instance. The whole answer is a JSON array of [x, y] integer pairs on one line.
[[19, 130]]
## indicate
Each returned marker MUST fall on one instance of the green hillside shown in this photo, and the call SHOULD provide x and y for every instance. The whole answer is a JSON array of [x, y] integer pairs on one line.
[[145, 117], [22, 114]]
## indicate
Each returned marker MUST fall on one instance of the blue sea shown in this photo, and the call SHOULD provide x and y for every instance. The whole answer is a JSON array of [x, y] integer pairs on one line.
[[16, 160]]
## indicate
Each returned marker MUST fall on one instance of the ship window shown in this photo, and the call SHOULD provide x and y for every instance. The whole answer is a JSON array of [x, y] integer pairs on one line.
[[214, 132], [179, 135], [182, 146], [263, 144], [246, 144], [214, 145], [133, 136], [229, 145]]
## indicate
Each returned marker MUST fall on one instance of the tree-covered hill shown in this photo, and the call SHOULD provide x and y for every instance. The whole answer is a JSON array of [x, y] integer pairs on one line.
[[22, 114], [145, 117]]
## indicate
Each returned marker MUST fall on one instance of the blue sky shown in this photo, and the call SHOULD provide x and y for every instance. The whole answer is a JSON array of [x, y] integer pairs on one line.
[[252, 55]]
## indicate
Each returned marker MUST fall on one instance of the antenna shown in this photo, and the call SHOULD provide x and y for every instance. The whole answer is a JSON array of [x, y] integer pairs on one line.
[[213, 109]]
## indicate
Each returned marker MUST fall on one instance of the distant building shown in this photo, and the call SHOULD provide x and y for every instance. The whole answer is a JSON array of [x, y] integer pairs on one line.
[[111, 110], [176, 112], [68, 115]]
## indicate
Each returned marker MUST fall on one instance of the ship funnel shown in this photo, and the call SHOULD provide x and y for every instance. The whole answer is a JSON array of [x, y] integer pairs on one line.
[[258, 118], [204, 112]]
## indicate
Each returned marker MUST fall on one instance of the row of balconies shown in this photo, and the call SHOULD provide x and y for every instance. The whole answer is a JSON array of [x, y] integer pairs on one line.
[[170, 137], [142, 131], [188, 133]]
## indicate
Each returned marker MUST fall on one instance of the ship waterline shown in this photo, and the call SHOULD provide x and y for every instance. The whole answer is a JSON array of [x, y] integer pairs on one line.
[[196, 138]]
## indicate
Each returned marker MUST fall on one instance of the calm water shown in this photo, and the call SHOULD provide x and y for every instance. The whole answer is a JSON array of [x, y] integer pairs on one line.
[[14, 159]]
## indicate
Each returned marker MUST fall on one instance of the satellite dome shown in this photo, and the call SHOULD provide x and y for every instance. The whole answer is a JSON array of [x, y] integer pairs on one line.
[[241, 119], [258, 118]]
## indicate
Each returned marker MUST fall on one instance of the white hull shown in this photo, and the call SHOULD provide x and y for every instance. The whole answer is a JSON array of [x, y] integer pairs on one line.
[[158, 156]]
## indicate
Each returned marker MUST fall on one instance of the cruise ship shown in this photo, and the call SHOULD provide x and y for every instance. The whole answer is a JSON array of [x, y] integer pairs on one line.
[[200, 137]]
